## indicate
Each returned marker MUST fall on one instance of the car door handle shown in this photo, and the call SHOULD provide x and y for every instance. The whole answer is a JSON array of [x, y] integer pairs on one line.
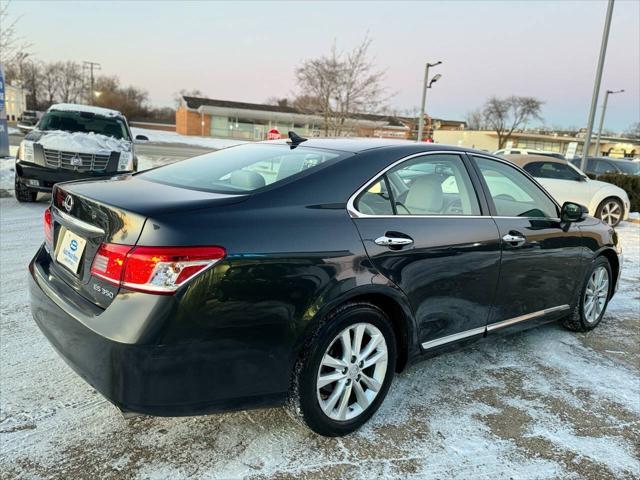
[[393, 241], [514, 240]]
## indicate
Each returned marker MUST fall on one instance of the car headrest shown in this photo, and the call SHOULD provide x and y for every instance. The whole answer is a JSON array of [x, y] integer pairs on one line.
[[425, 195], [246, 179]]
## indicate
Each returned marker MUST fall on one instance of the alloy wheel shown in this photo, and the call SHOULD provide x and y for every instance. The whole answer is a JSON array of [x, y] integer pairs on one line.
[[611, 213], [352, 371], [596, 293]]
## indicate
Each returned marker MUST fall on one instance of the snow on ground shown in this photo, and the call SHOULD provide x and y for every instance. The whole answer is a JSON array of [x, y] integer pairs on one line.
[[159, 136], [13, 130], [546, 403]]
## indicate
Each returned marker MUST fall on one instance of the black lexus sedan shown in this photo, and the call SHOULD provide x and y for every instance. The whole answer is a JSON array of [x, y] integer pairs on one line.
[[305, 273]]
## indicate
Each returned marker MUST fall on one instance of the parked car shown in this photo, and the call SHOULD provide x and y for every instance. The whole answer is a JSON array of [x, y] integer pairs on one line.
[[525, 151], [305, 274], [569, 184], [601, 165], [28, 120], [73, 142]]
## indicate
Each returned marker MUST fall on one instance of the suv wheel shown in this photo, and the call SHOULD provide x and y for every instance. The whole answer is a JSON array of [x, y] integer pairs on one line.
[[345, 371], [23, 193], [610, 211], [594, 298]]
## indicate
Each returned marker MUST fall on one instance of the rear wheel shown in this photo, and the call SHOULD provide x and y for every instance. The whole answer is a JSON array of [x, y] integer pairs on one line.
[[345, 372], [610, 211], [594, 297], [23, 193]]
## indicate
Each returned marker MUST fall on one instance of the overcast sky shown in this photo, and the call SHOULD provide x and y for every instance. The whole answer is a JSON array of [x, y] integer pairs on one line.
[[248, 51]]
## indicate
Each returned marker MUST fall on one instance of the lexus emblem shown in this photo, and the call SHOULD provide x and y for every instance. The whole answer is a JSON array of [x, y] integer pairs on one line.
[[68, 203]]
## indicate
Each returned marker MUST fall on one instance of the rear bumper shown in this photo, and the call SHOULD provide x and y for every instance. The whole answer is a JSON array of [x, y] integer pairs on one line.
[[48, 177], [147, 378]]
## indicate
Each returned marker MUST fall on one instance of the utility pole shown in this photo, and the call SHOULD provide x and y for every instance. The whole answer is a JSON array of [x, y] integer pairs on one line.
[[424, 97], [91, 66], [604, 111], [596, 86]]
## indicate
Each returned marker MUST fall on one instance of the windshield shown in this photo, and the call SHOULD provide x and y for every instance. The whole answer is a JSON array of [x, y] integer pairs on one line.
[[240, 169], [629, 167], [84, 122]]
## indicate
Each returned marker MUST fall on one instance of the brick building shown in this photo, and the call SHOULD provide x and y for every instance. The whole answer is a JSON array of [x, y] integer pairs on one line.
[[252, 121]]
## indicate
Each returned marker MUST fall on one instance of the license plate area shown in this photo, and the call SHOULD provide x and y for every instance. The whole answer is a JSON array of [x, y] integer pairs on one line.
[[70, 250]]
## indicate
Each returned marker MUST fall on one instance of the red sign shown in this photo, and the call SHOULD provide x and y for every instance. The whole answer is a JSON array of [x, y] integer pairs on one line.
[[274, 134], [429, 140]]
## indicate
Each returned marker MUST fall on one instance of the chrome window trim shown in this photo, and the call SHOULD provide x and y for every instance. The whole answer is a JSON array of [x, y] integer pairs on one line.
[[77, 222], [354, 213], [492, 327]]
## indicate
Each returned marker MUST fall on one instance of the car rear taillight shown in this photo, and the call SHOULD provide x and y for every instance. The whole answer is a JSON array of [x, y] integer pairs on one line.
[[108, 263], [152, 269], [48, 229]]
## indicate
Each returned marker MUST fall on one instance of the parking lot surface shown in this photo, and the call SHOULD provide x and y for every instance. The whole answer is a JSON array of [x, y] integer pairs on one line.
[[545, 403]]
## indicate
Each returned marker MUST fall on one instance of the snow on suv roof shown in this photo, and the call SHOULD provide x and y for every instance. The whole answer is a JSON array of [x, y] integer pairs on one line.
[[76, 107]]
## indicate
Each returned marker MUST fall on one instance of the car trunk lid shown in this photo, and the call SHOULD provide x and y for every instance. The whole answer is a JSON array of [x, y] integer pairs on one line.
[[86, 214]]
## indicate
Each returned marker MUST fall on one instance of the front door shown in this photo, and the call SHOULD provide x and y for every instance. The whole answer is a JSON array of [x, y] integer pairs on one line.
[[423, 229], [541, 257]]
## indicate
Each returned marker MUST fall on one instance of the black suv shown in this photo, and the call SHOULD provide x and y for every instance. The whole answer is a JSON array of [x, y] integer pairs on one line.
[[72, 142]]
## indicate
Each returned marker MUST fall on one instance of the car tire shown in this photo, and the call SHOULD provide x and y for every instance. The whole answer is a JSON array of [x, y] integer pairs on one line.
[[359, 389], [587, 315], [23, 193], [610, 211]]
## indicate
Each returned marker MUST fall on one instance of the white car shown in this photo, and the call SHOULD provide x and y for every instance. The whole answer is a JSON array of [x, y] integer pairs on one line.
[[567, 183], [524, 151]]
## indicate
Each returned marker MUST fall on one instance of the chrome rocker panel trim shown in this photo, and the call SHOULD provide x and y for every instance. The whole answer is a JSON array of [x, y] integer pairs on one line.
[[491, 327]]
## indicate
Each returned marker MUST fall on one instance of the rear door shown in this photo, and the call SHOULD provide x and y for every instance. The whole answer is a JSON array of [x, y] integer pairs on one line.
[[425, 228], [541, 256]]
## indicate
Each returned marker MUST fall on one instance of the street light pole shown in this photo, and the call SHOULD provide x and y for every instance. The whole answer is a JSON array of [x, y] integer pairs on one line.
[[424, 98], [604, 111], [596, 86]]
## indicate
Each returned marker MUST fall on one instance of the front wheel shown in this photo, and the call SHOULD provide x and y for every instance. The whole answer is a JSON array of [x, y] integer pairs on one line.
[[594, 298], [610, 211], [23, 193], [345, 372]]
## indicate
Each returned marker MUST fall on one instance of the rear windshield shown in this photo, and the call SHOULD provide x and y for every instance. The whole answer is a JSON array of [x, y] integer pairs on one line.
[[84, 122], [240, 169]]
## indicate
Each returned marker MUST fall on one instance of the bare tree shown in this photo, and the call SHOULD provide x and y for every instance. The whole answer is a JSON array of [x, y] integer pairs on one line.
[[342, 84], [475, 120], [11, 43], [505, 115], [51, 81], [131, 101], [186, 93], [71, 82], [633, 131]]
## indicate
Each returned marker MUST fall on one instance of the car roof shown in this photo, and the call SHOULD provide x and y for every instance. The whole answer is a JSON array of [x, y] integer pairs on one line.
[[76, 107], [523, 160], [356, 145]]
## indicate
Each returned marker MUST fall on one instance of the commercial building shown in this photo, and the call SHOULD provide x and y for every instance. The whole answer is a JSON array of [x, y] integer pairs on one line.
[[252, 121], [15, 102], [487, 140]]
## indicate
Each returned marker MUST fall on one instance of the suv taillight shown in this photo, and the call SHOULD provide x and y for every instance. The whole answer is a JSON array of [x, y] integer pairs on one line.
[[152, 269], [48, 229]]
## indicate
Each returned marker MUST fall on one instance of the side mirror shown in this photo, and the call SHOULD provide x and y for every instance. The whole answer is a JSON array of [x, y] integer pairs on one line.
[[572, 212], [142, 138]]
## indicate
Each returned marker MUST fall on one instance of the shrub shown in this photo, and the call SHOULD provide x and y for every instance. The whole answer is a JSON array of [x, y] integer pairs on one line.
[[629, 183]]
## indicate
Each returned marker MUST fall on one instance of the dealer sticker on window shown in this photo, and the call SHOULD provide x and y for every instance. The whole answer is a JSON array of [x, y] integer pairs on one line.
[[71, 250]]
